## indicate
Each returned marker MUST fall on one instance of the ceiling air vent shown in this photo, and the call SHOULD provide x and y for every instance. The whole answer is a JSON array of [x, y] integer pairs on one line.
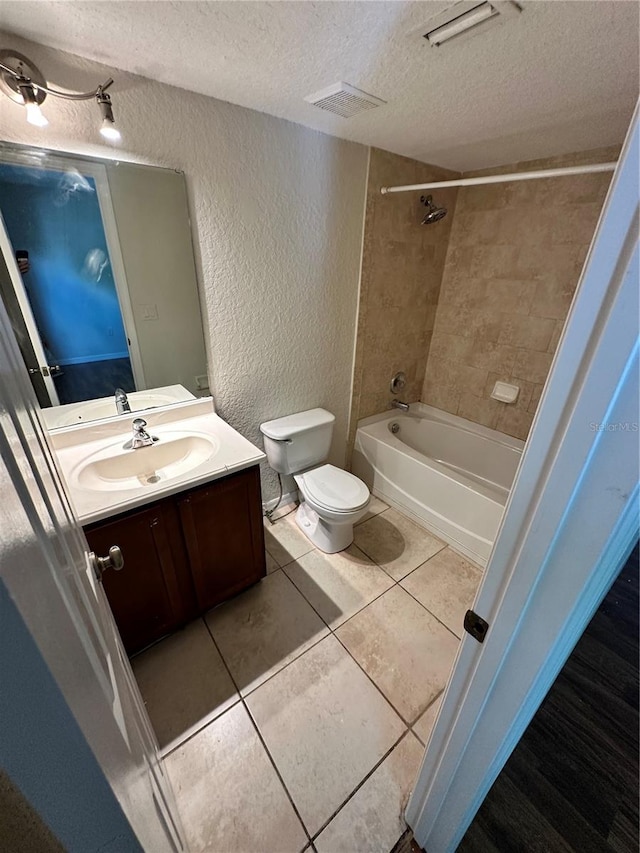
[[465, 16], [344, 100]]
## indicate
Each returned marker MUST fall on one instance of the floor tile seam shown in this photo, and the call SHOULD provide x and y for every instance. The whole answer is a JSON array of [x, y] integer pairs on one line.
[[375, 515], [361, 668], [288, 664], [410, 572], [364, 779], [424, 607], [272, 557], [293, 559], [333, 630], [417, 720], [254, 723], [166, 753], [264, 746]]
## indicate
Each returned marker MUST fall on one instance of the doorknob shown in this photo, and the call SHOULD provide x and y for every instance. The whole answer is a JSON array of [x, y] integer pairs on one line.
[[114, 560]]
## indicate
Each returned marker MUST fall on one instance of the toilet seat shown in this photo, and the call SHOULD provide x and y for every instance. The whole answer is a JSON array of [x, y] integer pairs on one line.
[[333, 489]]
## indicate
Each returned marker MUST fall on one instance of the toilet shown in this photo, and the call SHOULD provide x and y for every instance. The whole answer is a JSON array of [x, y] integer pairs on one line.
[[332, 500]]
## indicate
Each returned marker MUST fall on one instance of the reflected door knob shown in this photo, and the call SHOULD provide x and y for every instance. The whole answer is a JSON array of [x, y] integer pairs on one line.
[[114, 560]]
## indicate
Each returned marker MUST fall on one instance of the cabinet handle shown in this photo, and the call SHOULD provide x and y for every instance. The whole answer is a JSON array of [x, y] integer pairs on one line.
[[114, 560]]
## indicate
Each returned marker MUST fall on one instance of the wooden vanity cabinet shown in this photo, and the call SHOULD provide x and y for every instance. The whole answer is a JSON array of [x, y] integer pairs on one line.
[[182, 555], [224, 537]]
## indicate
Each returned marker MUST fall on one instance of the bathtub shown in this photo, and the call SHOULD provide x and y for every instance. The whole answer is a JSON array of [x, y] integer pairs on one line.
[[448, 474]]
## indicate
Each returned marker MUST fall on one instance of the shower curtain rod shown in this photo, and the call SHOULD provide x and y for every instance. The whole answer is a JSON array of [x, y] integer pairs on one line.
[[499, 179]]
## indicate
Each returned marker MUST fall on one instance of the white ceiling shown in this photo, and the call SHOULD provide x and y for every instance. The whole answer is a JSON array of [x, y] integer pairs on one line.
[[560, 77]]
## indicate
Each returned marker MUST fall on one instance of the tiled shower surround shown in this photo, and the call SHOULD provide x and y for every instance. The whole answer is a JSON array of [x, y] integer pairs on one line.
[[498, 275], [402, 266]]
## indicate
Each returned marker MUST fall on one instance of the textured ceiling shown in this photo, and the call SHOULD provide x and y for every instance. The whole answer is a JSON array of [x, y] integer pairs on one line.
[[562, 76]]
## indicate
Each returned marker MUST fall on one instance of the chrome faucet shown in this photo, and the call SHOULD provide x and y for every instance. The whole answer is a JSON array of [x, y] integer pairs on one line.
[[122, 402], [140, 437], [398, 404]]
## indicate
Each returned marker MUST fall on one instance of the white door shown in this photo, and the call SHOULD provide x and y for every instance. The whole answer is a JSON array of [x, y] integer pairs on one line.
[[31, 327], [47, 571], [569, 525]]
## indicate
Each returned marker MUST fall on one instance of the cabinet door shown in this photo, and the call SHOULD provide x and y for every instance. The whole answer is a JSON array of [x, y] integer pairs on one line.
[[224, 537], [152, 594]]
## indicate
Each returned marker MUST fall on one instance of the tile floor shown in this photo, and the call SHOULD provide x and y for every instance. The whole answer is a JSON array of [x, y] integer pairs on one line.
[[294, 717]]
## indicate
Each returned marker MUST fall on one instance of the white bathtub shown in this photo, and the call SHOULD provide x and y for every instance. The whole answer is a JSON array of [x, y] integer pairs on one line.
[[450, 475]]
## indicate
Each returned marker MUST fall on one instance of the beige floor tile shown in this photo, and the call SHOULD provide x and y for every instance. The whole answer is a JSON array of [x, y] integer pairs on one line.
[[228, 794], [338, 585], [272, 565], [184, 683], [373, 819], [424, 725], [446, 585], [285, 541], [395, 543], [325, 726], [376, 506], [403, 648], [263, 629]]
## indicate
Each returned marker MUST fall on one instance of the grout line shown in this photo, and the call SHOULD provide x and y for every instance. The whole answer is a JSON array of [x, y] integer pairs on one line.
[[360, 784], [453, 633], [430, 705], [166, 751], [332, 632], [262, 741], [360, 667]]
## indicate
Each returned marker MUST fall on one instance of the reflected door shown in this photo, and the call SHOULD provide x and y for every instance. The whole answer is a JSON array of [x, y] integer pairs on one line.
[[55, 227]]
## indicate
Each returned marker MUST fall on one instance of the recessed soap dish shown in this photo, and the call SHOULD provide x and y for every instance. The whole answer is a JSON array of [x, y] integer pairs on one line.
[[505, 392]]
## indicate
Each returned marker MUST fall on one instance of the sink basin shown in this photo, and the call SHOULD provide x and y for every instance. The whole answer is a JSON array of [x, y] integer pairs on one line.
[[116, 469]]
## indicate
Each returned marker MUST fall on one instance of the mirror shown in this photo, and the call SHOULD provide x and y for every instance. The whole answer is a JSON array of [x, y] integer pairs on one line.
[[98, 278]]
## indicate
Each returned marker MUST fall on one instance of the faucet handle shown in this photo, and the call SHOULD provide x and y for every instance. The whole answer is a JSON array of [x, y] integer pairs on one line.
[[139, 424]]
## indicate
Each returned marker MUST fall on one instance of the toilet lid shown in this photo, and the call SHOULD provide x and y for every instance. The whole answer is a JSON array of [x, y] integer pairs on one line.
[[335, 489]]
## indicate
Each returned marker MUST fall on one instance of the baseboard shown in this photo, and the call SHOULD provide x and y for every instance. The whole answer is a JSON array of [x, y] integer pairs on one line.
[[287, 498]]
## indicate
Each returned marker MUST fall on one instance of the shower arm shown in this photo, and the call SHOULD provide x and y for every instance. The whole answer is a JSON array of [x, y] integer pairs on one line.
[[499, 179]]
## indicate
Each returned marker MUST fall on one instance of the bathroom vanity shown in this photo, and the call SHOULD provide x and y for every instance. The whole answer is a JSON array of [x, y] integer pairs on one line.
[[185, 512]]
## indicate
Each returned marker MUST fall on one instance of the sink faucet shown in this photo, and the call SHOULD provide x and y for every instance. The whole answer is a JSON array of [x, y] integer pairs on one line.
[[398, 404], [140, 437], [122, 402]]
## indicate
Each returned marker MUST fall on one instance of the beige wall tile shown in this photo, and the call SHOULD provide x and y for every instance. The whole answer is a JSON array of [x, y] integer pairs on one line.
[[532, 366], [527, 332], [515, 422], [508, 281], [400, 282]]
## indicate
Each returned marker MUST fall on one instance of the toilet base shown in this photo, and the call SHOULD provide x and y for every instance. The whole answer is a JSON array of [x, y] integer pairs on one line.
[[329, 537]]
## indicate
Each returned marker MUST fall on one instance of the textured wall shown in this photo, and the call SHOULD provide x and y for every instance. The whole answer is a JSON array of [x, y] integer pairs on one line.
[[277, 218], [515, 255], [402, 264]]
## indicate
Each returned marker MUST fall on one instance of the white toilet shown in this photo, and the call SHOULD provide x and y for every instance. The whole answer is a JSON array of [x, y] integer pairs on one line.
[[332, 500]]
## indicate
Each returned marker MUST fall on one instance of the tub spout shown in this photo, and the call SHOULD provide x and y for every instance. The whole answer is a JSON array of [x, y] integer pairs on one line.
[[398, 404]]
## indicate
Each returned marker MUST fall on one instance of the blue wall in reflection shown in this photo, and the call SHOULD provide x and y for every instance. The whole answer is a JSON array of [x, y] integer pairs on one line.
[[56, 217]]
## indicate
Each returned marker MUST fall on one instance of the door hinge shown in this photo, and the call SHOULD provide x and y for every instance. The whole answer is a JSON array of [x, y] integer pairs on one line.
[[475, 625]]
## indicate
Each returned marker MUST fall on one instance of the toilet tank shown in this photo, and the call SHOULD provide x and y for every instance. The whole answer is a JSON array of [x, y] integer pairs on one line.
[[299, 441]]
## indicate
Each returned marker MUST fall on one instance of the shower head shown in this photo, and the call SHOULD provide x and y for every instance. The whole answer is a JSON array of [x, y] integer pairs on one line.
[[434, 213]]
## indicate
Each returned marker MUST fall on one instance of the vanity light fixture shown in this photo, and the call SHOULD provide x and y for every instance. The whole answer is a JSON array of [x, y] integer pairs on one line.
[[23, 82]]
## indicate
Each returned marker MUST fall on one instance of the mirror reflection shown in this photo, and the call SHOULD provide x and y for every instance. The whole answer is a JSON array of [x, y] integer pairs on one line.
[[99, 282]]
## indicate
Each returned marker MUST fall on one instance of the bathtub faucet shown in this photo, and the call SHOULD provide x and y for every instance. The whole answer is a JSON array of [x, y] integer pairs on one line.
[[398, 404]]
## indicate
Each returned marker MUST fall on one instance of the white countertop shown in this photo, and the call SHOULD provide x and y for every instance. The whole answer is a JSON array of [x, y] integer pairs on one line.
[[75, 445]]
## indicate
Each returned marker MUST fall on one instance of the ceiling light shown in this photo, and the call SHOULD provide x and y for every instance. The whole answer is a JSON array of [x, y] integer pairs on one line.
[[35, 115], [23, 82], [108, 128], [460, 24]]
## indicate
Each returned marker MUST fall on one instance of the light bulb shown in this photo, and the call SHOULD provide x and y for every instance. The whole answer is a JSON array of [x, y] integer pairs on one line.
[[36, 116], [109, 131]]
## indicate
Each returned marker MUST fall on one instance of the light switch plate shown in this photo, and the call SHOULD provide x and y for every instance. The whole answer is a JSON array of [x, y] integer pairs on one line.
[[149, 311]]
